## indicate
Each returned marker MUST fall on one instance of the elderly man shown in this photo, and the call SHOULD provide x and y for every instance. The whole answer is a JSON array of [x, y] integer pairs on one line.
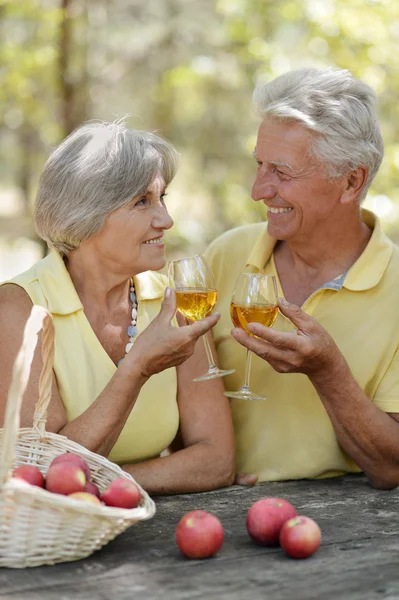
[[329, 367]]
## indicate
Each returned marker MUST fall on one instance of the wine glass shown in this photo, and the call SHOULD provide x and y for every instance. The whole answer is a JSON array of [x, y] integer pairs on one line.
[[196, 296], [255, 300]]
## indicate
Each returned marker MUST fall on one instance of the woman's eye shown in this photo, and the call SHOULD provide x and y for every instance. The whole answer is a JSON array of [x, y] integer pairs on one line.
[[163, 196], [141, 202]]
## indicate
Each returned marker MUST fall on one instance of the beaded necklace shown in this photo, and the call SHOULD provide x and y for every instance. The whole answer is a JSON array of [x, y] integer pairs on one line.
[[132, 329]]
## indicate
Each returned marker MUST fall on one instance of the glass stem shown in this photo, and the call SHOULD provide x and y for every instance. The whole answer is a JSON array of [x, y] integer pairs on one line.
[[248, 360], [209, 355]]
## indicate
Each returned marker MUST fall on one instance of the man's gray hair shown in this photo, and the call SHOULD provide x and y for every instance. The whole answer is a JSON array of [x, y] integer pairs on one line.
[[98, 168], [339, 109]]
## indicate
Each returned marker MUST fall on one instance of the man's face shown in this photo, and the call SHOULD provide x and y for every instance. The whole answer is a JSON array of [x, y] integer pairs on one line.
[[293, 185]]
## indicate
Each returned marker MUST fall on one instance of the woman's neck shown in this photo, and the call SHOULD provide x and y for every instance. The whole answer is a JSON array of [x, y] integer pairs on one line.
[[95, 281]]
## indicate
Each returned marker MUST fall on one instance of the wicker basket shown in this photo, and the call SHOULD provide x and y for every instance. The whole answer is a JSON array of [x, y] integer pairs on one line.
[[36, 526]]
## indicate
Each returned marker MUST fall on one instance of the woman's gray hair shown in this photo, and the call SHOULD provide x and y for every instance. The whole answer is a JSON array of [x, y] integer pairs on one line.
[[339, 109], [98, 168]]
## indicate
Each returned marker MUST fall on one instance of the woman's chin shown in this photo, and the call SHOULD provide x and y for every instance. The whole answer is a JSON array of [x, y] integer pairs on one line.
[[157, 265]]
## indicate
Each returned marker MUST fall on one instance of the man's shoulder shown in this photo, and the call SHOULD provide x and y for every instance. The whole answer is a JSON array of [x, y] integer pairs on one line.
[[395, 253], [240, 239], [393, 266]]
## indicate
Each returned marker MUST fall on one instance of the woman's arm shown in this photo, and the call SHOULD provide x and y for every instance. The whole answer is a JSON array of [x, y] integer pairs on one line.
[[159, 347], [207, 460]]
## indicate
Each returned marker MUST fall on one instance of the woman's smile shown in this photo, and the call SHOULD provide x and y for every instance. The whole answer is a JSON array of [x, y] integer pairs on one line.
[[155, 242]]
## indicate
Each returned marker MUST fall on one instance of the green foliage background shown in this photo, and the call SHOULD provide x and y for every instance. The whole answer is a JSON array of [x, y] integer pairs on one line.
[[185, 68]]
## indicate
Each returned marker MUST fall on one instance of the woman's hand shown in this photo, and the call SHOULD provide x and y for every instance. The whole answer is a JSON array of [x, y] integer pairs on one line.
[[162, 345], [309, 349]]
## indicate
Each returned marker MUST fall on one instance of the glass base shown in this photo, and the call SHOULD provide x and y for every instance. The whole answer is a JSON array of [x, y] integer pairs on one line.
[[214, 373], [244, 395]]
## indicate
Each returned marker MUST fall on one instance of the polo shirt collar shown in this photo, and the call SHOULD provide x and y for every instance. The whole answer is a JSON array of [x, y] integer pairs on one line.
[[62, 296], [262, 250], [369, 268], [364, 274], [57, 286]]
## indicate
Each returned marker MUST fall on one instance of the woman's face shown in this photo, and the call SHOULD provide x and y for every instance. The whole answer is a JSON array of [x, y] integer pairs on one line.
[[132, 236]]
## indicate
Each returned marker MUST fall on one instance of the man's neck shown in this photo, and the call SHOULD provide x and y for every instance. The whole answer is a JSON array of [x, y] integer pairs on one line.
[[334, 250], [304, 265]]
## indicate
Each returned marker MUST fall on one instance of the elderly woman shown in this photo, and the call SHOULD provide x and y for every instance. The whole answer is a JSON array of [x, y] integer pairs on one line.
[[123, 369], [329, 367]]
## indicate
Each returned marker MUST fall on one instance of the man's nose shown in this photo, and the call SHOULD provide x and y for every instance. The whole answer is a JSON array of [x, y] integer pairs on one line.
[[263, 188]]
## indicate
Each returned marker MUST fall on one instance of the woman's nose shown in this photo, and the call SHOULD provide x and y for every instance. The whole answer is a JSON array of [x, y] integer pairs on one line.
[[162, 219]]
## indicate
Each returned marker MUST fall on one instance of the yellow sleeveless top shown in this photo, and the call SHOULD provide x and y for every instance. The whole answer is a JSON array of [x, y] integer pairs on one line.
[[83, 368]]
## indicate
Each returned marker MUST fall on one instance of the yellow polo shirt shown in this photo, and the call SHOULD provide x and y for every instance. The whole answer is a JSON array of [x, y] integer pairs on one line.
[[83, 368], [290, 436]]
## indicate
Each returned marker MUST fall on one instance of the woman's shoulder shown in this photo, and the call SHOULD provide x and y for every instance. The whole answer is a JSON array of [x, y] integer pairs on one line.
[[14, 290], [27, 286], [15, 305]]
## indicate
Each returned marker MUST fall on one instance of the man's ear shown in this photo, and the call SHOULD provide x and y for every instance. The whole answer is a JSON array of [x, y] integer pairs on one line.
[[354, 183]]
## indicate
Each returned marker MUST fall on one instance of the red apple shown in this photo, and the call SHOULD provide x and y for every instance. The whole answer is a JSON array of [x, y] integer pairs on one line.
[[85, 497], [65, 478], [29, 473], [91, 488], [300, 537], [121, 493], [265, 519], [74, 459], [199, 534]]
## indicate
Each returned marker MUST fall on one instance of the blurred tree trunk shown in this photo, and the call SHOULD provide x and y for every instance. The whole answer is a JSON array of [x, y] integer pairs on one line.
[[27, 143], [73, 72], [65, 51]]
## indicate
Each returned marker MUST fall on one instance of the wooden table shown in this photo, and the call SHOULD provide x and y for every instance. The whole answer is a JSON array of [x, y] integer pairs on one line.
[[358, 559]]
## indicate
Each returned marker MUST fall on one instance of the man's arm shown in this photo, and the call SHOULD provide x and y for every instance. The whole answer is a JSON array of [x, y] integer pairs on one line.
[[369, 435]]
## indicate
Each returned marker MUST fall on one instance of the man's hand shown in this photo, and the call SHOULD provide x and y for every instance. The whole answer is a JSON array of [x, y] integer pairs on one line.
[[309, 349]]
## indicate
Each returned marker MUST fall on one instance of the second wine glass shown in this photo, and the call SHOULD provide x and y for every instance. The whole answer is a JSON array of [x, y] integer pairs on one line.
[[196, 296], [255, 300]]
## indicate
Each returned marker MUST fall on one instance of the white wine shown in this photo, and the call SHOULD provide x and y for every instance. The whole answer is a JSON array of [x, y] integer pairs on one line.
[[194, 303], [241, 315]]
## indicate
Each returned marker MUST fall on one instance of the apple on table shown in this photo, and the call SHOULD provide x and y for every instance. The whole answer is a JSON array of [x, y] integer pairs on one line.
[[265, 519], [300, 537], [199, 534]]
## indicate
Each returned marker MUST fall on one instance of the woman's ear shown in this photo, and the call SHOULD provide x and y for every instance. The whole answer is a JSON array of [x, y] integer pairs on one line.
[[354, 183]]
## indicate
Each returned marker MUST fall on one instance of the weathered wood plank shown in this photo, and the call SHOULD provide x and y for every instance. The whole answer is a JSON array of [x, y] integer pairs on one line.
[[364, 571], [359, 557]]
